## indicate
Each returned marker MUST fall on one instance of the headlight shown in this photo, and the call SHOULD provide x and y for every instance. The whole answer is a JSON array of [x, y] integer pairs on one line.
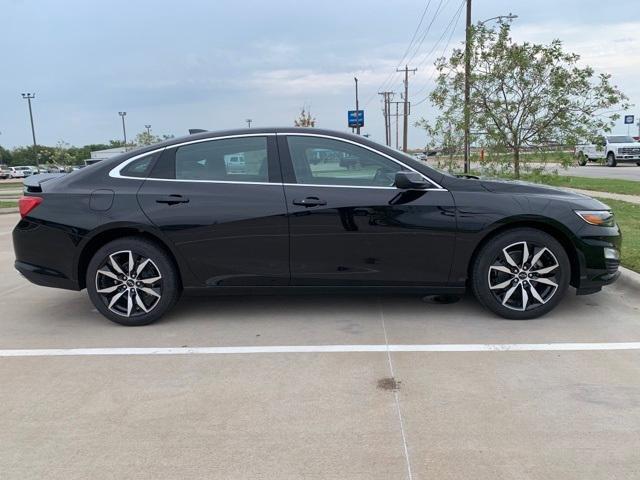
[[602, 218]]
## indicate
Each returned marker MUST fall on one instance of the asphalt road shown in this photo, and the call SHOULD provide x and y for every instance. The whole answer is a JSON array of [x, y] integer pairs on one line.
[[627, 171], [256, 413]]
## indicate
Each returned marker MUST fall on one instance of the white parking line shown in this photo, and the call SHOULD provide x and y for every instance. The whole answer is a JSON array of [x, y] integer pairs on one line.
[[471, 347]]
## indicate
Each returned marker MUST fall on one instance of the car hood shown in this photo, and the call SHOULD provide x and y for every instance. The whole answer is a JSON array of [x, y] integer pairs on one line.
[[519, 187]]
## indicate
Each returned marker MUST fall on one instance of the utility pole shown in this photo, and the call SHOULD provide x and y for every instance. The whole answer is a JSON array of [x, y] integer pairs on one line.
[[124, 130], [357, 108], [397, 117], [467, 88], [406, 71], [148, 127], [387, 96], [28, 97], [248, 120], [397, 122]]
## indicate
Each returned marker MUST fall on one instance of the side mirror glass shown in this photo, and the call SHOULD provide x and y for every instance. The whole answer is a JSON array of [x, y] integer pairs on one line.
[[410, 181]]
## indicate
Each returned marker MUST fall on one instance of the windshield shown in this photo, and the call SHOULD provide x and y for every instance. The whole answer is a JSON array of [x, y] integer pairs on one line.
[[620, 139]]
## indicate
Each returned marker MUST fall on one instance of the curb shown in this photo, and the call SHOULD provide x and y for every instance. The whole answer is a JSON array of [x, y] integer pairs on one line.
[[8, 210], [629, 278]]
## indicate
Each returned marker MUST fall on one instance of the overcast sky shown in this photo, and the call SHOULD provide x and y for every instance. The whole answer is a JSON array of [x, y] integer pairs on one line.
[[188, 64]]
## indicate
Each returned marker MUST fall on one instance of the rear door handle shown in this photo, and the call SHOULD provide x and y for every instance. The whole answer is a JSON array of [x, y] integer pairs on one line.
[[172, 199], [310, 202]]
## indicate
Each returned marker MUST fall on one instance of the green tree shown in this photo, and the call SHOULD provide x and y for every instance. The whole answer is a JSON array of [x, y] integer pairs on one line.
[[523, 95], [148, 138], [5, 157], [305, 119]]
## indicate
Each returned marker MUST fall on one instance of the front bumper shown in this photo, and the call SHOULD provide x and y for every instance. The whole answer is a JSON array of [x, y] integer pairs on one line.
[[596, 269]]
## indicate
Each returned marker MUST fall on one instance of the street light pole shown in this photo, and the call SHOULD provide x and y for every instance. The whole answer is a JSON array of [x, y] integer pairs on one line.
[[148, 127], [124, 129], [28, 97], [248, 120], [467, 86], [357, 108], [467, 81]]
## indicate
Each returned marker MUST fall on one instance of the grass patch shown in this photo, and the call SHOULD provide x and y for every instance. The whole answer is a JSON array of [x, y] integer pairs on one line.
[[627, 187], [8, 203], [628, 217], [11, 185]]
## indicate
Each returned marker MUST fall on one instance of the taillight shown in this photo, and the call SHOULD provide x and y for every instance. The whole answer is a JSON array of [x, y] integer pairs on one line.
[[26, 204]]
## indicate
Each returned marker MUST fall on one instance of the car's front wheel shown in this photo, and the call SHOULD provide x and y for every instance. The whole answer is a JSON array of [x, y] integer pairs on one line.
[[521, 274], [611, 160], [132, 281]]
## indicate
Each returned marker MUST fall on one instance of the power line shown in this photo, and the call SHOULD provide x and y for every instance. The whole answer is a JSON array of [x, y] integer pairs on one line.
[[426, 32], [455, 21], [391, 77]]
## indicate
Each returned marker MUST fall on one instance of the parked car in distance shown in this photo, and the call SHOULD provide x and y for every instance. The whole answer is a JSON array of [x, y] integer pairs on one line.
[[4, 172], [143, 228], [27, 170], [16, 172], [614, 148], [235, 163]]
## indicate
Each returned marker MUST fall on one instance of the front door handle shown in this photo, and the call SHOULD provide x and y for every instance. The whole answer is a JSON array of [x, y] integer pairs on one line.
[[172, 199], [310, 202]]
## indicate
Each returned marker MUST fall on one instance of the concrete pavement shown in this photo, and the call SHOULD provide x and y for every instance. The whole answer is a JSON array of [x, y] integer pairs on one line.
[[456, 415]]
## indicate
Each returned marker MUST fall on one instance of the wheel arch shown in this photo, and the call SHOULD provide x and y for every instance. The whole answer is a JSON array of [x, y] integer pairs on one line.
[[101, 238], [543, 224]]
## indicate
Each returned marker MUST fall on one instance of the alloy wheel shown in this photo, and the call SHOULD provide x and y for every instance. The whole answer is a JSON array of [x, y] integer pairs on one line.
[[129, 284], [524, 276]]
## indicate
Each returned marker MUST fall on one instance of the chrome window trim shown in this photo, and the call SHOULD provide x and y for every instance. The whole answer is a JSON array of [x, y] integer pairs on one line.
[[115, 172], [340, 139]]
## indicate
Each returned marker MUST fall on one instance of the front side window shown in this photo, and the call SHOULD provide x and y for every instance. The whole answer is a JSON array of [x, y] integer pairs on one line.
[[324, 161], [231, 159]]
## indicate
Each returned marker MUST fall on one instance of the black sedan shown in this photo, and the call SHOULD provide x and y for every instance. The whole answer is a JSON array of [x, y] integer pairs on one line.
[[309, 211]]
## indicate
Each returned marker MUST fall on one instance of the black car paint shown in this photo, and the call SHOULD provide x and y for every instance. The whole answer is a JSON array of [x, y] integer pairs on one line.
[[250, 238]]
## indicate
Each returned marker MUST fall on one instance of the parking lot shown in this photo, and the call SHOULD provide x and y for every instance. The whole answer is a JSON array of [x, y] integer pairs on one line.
[[326, 387]]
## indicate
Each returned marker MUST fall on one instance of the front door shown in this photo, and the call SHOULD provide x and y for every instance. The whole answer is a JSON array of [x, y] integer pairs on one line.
[[350, 226], [221, 203]]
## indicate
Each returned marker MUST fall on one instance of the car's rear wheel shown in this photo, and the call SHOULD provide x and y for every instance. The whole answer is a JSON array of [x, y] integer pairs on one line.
[[582, 159], [132, 281], [521, 274], [611, 160]]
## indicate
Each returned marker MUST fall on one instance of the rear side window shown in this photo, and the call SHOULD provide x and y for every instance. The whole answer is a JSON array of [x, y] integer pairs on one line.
[[232, 159], [139, 168]]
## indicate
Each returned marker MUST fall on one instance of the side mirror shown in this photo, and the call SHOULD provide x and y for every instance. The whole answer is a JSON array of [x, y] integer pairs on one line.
[[410, 181]]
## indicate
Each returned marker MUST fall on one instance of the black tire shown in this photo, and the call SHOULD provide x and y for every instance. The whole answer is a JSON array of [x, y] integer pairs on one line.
[[638, 164], [582, 159], [611, 160], [138, 303], [488, 266]]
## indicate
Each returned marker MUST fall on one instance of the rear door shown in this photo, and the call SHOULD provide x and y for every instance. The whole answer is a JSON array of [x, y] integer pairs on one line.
[[350, 226], [221, 202]]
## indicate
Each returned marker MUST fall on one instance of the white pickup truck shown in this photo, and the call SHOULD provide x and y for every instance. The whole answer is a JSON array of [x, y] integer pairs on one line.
[[614, 148]]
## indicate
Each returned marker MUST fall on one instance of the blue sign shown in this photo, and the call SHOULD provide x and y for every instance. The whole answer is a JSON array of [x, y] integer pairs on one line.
[[628, 119], [356, 118]]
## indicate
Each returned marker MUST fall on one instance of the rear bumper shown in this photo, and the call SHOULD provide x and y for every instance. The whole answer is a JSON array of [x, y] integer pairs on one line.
[[45, 276], [45, 254]]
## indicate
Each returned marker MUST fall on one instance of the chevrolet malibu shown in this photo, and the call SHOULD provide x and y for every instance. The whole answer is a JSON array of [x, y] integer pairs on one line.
[[310, 211]]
